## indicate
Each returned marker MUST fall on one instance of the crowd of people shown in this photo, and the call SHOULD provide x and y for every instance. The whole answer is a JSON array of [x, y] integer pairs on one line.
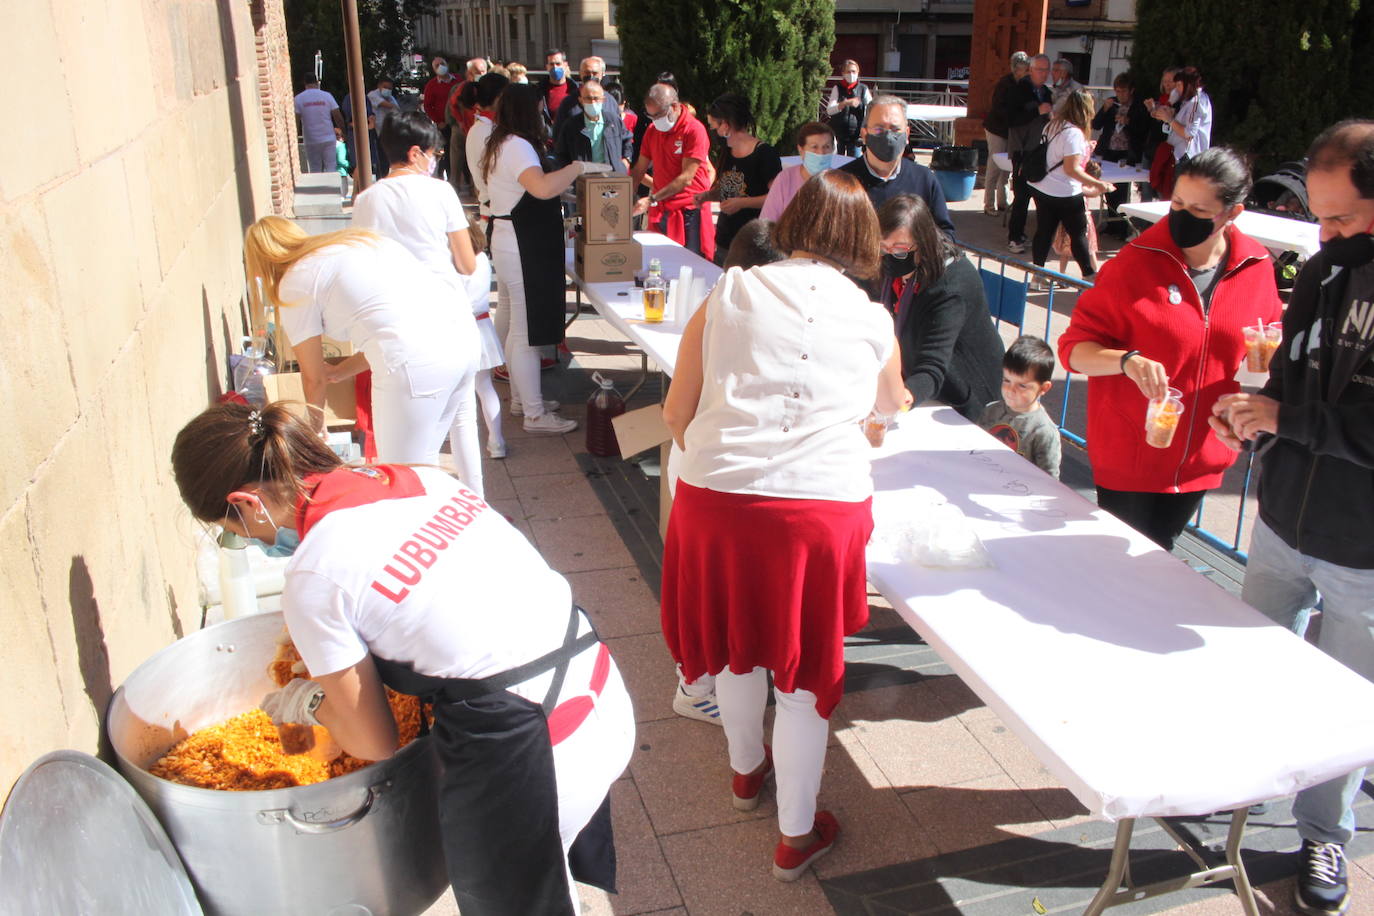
[[844, 297]]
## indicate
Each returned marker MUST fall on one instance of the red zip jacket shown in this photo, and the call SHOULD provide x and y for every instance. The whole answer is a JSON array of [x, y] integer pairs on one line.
[[1129, 308]]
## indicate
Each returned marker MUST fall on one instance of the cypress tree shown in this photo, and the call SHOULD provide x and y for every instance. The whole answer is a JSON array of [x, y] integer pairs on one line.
[[1277, 72], [774, 52]]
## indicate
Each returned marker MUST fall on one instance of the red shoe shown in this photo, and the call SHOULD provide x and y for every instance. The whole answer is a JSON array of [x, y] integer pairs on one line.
[[790, 863], [747, 788], [501, 374]]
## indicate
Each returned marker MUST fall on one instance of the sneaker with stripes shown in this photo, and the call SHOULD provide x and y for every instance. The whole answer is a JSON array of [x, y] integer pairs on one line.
[[703, 709]]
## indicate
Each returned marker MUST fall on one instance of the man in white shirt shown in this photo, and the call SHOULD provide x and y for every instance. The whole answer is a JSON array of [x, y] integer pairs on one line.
[[321, 126], [383, 106]]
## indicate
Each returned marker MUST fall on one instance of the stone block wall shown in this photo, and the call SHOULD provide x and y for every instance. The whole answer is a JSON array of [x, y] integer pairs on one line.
[[139, 154]]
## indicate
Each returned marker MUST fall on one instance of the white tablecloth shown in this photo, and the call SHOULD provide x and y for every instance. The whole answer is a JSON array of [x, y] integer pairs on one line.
[[1113, 172], [1273, 232], [622, 304], [1144, 688], [935, 113]]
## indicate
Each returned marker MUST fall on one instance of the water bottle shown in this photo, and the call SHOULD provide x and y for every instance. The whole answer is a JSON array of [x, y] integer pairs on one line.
[[238, 591], [252, 365], [601, 408]]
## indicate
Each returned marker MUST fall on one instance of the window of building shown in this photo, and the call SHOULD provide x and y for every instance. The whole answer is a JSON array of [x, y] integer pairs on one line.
[[514, 27]]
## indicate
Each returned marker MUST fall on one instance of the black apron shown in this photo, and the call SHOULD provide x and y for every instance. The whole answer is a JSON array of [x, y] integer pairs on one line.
[[498, 799], [538, 226]]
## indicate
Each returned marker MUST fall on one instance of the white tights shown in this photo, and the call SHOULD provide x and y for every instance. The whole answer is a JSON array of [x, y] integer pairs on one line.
[[512, 323], [799, 736], [490, 402]]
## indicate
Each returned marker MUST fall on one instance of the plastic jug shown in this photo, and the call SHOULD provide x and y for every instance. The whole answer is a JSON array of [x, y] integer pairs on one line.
[[601, 408], [238, 590]]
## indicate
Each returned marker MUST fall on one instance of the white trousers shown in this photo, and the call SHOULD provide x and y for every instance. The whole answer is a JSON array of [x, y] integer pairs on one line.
[[994, 177], [799, 736], [589, 760], [415, 406], [512, 322]]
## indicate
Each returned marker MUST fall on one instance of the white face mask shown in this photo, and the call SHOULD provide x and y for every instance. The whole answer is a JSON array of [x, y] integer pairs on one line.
[[665, 121], [1173, 96]]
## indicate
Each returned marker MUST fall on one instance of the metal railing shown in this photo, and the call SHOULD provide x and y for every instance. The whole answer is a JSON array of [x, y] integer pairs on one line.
[[1008, 302], [914, 91]]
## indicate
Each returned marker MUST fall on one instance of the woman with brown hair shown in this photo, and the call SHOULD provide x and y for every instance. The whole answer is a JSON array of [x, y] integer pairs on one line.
[[950, 350], [763, 566], [527, 245], [1059, 195], [405, 577], [356, 286]]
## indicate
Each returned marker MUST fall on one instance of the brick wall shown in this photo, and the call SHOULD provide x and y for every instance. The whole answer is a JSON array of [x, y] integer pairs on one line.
[[275, 100], [141, 158]]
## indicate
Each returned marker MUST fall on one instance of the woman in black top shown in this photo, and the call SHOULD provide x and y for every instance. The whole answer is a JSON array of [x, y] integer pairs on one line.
[[744, 172], [950, 350]]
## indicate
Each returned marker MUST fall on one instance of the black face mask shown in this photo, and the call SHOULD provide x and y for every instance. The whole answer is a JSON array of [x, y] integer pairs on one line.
[[1349, 251], [1189, 231], [898, 265], [887, 146]]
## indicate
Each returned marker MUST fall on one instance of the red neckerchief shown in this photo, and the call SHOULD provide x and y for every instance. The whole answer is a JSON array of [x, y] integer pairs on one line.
[[898, 287], [345, 488]]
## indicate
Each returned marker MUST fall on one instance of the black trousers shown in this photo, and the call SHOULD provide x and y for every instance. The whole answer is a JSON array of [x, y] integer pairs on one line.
[[691, 229], [1020, 200], [1050, 212], [1161, 517]]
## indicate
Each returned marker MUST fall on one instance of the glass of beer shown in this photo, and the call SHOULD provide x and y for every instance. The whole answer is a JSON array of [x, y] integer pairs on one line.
[[1162, 417]]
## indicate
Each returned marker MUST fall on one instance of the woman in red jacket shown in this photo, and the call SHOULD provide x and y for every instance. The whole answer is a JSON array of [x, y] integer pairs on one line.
[[1170, 310]]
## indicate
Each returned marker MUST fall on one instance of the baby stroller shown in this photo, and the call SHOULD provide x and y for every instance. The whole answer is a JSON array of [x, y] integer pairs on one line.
[[1284, 194]]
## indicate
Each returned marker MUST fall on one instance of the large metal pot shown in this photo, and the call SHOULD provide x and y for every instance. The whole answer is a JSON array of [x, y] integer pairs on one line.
[[365, 843]]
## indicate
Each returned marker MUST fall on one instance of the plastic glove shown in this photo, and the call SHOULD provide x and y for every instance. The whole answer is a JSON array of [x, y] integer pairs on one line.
[[295, 703], [593, 167]]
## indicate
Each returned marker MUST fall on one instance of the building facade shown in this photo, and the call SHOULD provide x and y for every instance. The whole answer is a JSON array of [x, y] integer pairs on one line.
[[520, 31]]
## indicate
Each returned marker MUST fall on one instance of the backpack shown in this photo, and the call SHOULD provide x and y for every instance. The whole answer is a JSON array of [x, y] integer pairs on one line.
[[1035, 164]]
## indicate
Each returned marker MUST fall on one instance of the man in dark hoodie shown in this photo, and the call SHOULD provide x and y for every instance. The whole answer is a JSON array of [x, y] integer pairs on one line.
[[1313, 423]]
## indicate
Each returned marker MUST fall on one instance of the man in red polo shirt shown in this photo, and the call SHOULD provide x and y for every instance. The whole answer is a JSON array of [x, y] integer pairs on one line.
[[435, 102], [675, 148]]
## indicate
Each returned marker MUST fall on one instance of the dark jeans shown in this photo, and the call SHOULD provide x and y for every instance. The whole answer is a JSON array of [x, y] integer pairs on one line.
[[1050, 211], [1020, 201], [1161, 517], [691, 228]]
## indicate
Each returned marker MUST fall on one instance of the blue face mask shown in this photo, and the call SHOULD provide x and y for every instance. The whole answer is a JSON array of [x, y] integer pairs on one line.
[[288, 539], [558, 73], [817, 162], [592, 111]]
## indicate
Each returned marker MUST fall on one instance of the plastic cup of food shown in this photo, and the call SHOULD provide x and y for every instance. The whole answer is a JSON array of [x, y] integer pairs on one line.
[[1162, 418], [1273, 338], [1260, 343], [875, 428]]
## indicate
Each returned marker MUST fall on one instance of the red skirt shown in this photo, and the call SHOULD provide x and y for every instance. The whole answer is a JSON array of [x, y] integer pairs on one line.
[[765, 582]]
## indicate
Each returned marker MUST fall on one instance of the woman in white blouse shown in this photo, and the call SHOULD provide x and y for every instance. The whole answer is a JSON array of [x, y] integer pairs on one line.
[[763, 566], [1189, 129], [1059, 195]]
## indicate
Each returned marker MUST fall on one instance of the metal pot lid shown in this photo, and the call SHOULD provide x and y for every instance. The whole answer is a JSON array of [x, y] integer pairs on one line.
[[76, 838]]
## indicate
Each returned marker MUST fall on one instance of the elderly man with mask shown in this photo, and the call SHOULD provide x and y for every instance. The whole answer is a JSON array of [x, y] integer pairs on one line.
[[1061, 81], [591, 68], [884, 172], [676, 149], [590, 135], [434, 100], [1028, 111]]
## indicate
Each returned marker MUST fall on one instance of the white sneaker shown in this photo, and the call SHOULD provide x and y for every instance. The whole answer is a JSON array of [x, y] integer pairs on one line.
[[550, 423], [518, 410], [703, 709], [496, 449]]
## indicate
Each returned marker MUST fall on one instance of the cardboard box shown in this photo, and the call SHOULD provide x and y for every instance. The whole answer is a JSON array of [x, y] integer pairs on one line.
[[340, 398], [604, 202], [607, 262]]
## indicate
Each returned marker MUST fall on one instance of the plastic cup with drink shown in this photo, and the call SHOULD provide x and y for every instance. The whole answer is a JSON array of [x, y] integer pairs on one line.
[[875, 428], [1261, 342], [1162, 417]]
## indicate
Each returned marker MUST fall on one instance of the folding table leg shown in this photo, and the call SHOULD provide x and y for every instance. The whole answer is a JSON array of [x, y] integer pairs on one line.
[[1116, 870], [1240, 878]]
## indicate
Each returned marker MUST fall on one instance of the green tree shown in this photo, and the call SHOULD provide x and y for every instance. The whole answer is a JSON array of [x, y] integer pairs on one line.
[[317, 25], [1277, 72], [775, 52]]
